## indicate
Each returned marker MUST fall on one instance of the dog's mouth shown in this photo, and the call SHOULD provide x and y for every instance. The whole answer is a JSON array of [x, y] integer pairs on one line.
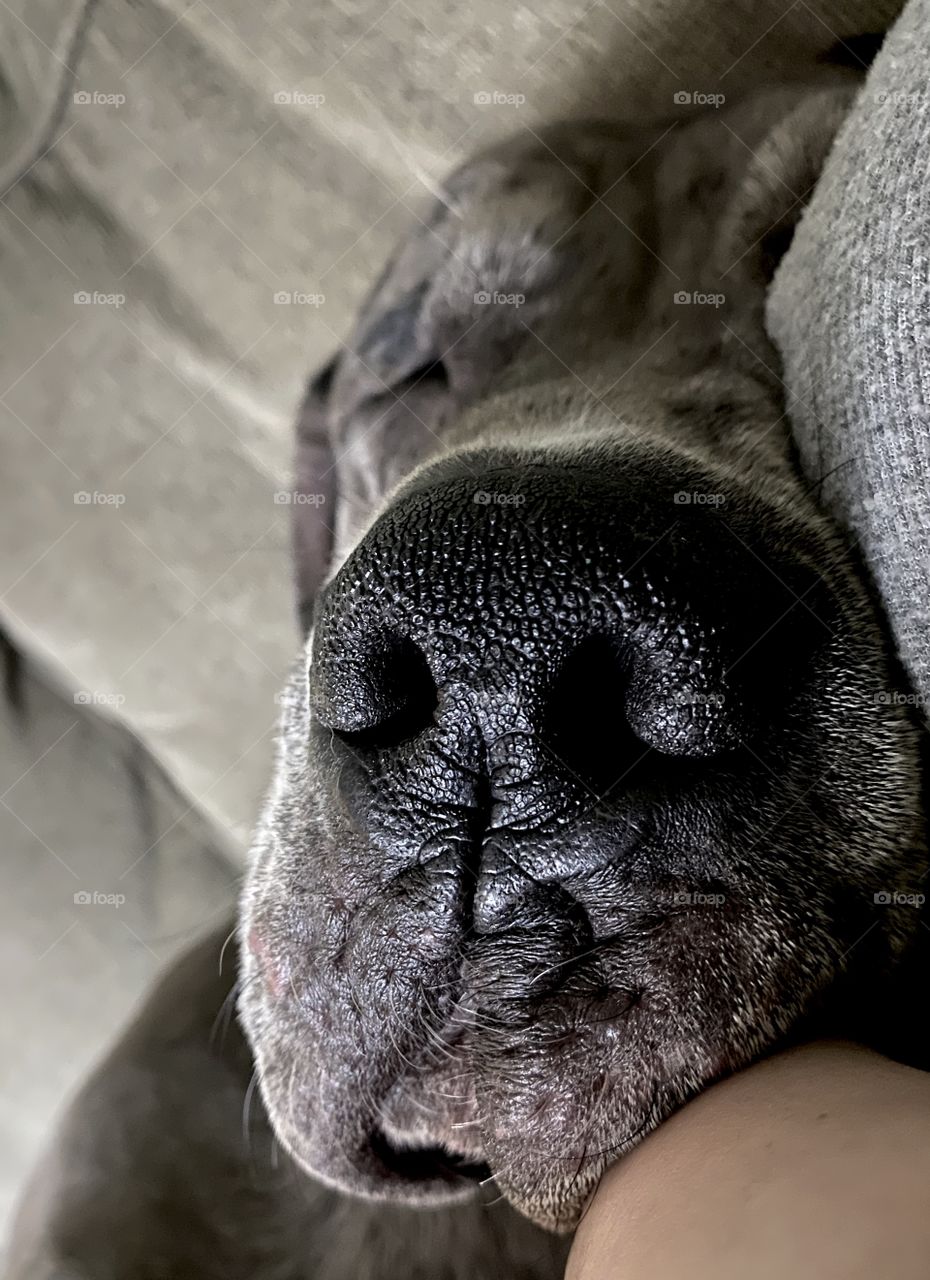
[[414, 1163], [428, 1124], [542, 1091], [374, 1151]]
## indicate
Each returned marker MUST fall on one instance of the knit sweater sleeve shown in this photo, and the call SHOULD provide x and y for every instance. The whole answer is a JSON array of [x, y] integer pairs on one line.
[[849, 311]]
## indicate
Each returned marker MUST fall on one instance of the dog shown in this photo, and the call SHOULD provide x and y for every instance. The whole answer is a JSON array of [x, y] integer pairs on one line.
[[589, 790]]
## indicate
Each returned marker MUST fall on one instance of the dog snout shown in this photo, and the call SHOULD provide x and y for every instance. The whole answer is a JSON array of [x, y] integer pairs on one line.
[[543, 829]]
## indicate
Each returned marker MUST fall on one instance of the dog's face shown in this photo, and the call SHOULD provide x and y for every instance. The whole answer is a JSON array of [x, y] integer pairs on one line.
[[588, 776]]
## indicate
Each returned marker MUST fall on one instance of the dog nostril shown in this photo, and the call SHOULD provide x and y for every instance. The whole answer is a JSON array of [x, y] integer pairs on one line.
[[612, 715], [383, 696], [586, 723]]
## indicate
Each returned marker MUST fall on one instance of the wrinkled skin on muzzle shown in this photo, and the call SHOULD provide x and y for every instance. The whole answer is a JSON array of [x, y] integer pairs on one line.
[[587, 790]]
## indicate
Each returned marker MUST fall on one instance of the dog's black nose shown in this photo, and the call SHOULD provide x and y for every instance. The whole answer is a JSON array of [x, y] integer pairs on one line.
[[541, 619]]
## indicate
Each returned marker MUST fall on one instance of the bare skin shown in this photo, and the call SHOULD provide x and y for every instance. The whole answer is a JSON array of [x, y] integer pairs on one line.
[[812, 1164]]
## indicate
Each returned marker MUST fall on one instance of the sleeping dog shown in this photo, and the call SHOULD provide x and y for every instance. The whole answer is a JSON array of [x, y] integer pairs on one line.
[[590, 785]]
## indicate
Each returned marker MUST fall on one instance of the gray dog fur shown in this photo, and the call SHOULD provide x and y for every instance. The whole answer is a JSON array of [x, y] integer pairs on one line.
[[600, 367]]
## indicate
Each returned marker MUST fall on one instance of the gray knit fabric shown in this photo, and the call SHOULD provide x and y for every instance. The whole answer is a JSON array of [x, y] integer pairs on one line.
[[850, 313]]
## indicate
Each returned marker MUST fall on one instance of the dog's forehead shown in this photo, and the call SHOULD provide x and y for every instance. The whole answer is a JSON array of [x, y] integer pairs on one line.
[[586, 278]]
